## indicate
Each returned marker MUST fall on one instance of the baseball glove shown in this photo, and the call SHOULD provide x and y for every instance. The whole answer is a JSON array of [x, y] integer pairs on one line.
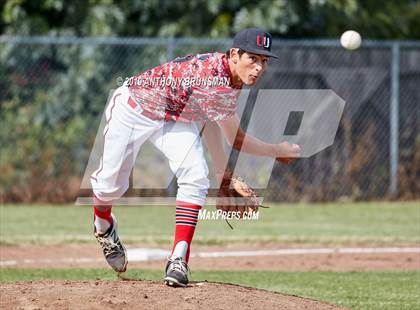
[[237, 196]]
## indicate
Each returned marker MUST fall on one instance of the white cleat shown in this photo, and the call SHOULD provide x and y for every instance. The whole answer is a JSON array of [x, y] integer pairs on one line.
[[114, 251]]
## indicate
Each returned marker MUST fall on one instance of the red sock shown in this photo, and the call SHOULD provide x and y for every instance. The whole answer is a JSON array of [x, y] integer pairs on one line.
[[186, 218], [102, 209]]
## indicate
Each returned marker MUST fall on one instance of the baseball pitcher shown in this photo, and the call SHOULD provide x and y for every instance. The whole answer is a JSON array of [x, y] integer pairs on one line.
[[163, 105]]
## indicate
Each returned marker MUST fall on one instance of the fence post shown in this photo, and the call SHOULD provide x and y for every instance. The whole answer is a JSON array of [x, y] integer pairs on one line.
[[394, 118], [170, 49], [173, 186]]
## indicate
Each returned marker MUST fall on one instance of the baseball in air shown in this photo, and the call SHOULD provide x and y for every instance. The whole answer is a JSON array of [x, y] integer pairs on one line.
[[351, 40]]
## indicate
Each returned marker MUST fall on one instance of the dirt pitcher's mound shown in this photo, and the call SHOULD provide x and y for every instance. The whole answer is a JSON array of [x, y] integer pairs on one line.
[[145, 295]]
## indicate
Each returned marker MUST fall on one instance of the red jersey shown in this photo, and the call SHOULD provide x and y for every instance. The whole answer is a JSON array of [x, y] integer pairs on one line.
[[190, 88]]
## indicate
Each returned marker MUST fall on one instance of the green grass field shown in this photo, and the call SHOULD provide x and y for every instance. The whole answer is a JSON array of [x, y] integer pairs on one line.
[[361, 223], [329, 224]]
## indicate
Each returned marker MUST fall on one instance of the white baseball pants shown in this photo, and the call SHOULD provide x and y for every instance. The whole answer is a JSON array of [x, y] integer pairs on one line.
[[126, 130]]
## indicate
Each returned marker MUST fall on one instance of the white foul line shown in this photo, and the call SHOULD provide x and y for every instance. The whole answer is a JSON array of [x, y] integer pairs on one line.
[[306, 251], [146, 254]]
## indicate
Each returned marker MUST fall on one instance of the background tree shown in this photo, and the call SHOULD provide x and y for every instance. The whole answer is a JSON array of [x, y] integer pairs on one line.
[[390, 19]]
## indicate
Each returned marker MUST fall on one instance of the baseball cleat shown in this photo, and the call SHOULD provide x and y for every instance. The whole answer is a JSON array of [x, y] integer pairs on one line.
[[176, 273], [114, 251]]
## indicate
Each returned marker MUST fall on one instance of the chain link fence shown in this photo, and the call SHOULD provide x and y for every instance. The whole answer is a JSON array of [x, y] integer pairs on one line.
[[54, 90]]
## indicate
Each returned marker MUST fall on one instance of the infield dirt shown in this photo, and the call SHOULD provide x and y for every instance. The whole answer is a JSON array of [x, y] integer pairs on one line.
[[90, 256], [137, 294], [145, 295]]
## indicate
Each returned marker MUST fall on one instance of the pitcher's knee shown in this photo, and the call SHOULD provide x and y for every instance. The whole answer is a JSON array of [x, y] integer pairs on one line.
[[108, 193], [193, 190]]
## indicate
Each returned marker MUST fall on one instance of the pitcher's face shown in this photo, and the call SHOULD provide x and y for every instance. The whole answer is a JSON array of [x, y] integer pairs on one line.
[[250, 67]]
